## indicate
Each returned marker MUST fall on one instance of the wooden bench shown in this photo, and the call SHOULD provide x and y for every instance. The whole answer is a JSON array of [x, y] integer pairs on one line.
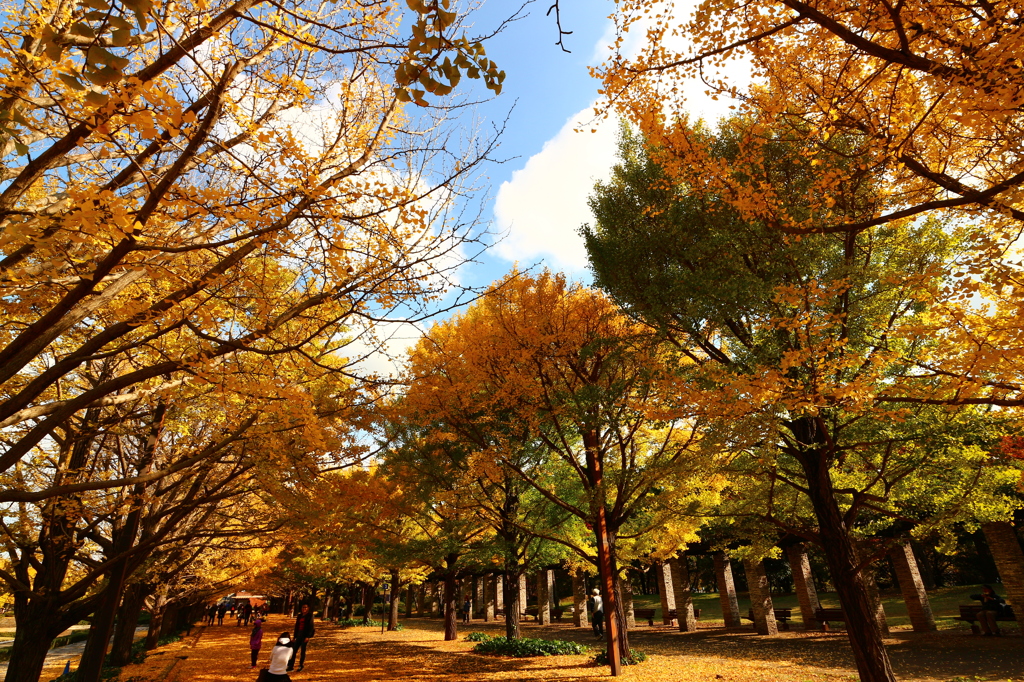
[[782, 616], [648, 614], [969, 614], [823, 616], [532, 611], [672, 614]]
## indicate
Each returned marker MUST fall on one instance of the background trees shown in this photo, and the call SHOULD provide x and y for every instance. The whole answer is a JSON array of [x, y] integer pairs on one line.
[[793, 338], [925, 95]]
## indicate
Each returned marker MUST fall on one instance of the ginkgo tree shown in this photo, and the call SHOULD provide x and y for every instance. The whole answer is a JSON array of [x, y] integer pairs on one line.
[[796, 339], [926, 94], [186, 183], [597, 391]]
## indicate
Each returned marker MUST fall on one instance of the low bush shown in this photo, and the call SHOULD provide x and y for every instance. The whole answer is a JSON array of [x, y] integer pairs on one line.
[[633, 658], [358, 622], [477, 637], [525, 647]]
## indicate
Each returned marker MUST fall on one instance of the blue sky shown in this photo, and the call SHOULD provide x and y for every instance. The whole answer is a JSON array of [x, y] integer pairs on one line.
[[545, 88], [538, 197]]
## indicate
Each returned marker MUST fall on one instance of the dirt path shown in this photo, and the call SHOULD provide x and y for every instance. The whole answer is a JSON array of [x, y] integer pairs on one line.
[[418, 654]]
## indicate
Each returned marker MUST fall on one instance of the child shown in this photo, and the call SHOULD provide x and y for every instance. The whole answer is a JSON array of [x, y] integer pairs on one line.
[[256, 641], [279, 657]]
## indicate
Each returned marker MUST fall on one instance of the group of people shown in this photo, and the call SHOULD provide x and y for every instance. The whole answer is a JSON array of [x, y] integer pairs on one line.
[[242, 612], [287, 647]]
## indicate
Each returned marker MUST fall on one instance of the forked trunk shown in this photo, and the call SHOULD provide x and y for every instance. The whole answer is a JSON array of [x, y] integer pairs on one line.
[[127, 621], [861, 627]]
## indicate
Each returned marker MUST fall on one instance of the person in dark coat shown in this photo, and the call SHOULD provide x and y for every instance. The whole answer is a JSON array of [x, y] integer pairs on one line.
[[304, 632], [992, 606]]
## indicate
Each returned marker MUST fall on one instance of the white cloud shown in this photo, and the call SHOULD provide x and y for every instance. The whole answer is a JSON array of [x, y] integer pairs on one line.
[[545, 202], [382, 348]]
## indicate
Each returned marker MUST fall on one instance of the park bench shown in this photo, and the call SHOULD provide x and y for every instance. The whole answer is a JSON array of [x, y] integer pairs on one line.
[[969, 614], [532, 611], [648, 614], [672, 614], [782, 616], [823, 616]]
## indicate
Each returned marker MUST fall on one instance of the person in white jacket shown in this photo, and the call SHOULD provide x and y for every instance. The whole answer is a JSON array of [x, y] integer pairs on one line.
[[279, 657]]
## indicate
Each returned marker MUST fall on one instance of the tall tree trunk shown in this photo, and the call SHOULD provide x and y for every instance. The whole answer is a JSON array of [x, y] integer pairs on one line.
[[451, 606], [618, 643], [512, 606], [127, 621], [393, 604], [90, 666], [865, 637]]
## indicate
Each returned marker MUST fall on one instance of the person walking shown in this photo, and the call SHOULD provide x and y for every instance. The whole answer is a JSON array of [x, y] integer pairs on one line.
[[221, 610], [598, 617], [467, 608], [255, 641], [304, 632]]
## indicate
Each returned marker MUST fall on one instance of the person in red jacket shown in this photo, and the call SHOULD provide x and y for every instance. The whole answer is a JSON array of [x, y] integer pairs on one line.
[[303, 633]]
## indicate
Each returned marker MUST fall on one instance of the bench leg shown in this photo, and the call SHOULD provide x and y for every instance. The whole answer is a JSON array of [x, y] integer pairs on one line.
[[975, 630]]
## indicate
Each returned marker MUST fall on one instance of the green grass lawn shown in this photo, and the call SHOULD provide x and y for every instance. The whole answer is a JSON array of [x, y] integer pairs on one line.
[[944, 602]]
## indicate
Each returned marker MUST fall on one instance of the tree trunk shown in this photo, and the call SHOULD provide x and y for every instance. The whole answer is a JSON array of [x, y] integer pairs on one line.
[[618, 644], [451, 607], [512, 606], [865, 638], [156, 619], [368, 594], [35, 632], [90, 666], [395, 594], [128, 620]]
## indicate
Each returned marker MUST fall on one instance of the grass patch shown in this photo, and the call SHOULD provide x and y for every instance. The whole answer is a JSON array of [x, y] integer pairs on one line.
[[634, 658], [358, 622], [525, 647]]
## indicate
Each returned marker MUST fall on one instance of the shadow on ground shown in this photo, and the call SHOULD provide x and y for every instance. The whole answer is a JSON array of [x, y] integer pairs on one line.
[[418, 653]]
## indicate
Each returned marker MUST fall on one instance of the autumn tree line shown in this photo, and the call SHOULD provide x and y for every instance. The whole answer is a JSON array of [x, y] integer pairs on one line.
[[805, 318]]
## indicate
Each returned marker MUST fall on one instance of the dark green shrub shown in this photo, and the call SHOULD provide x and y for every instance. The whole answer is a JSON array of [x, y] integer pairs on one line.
[[477, 637], [525, 647], [358, 622], [633, 658]]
